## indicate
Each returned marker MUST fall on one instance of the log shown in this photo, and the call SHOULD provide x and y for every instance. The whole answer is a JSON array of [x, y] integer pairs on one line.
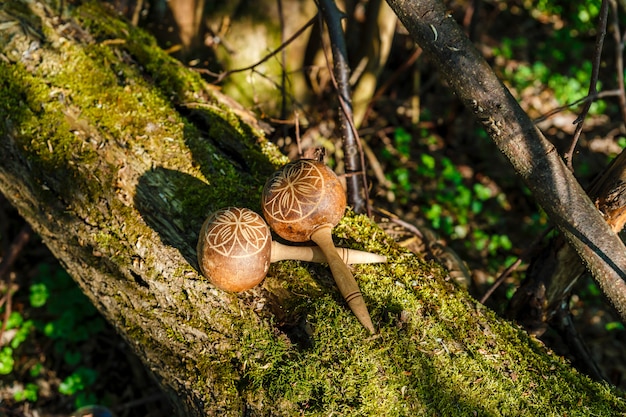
[[115, 153]]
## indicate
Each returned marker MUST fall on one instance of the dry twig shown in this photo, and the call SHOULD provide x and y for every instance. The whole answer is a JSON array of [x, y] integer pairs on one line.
[[619, 60], [595, 71], [220, 76], [354, 159]]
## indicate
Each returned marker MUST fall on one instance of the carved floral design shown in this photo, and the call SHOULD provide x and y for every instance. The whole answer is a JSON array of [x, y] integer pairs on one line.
[[237, 232], [294, 192]]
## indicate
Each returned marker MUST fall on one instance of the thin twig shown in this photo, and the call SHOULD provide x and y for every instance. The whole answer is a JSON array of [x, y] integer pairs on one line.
[[296, 119], [153, 397], [137, 13], [595, 71], [619, 60], [16, 247], [283, 68], [396, 74], [5, 266], [590, 98], [576, 344], [354, 159], [7, 302], [503, 276], [222, 75], [524, 256]]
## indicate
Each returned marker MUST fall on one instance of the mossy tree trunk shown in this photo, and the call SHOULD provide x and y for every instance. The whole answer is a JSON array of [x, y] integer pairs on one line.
[[115, 154]]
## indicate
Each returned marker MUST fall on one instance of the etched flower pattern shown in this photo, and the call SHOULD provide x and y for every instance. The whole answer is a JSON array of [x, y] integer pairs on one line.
[[237, 232], [294, 192]]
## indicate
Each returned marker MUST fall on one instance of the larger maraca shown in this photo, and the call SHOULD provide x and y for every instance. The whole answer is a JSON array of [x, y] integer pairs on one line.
[[304, 201]]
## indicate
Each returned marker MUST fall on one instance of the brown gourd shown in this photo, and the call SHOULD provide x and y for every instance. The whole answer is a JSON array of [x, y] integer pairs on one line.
[[304, 201], [235, 249]]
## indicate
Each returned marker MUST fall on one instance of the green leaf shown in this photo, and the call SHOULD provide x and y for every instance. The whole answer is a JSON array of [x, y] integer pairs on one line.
[[433, 213], [15, 320], [450, 172], [71, 385], [403, 141], [39, 294], [402, 178], [62, 327], [480, 239], [614, 325], [49, 329], [29, 393], [482, 192], [22, 333], [477, 207], [81, 379], [35, 371], [428, 161], [84, 399], [505, 242], [463, 198], [6, 360]]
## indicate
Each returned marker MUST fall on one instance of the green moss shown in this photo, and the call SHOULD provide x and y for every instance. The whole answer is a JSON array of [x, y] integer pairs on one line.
[[175, 335], [167, 73], [460, 360], [27, 101], [217, 135], [175, 83]]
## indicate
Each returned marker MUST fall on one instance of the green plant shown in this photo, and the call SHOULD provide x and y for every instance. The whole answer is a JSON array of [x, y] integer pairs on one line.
[[70, 320], [78, 384], [28, 393], [21, 329], [580, 16], [537, 67], [61, 313], [467, 209], [6, 360], [403, 142]]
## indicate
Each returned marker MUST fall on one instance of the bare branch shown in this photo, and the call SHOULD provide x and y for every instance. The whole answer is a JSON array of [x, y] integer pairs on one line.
[[354, 160], [283, 62], [619, 60], [598, 95], [595, 71], [382, 89], [221, 76]]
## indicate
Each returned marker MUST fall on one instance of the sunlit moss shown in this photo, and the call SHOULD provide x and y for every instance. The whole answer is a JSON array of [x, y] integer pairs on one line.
[[459, 360]]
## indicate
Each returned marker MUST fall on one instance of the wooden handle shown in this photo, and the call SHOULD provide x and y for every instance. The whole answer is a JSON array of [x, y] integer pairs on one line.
[[282, 252], [343, 278]]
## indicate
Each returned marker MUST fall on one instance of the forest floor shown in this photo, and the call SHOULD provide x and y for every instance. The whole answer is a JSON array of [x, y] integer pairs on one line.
[[440, 171]]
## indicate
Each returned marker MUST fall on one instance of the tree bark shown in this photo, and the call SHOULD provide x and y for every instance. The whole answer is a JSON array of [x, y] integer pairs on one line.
[[115, 154], [533, 157]]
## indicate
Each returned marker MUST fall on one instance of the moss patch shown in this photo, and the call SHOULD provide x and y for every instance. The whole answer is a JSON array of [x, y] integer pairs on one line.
[[438, 351]]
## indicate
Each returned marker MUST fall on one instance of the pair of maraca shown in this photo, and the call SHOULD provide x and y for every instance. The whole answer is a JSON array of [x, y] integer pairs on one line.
[[301, 202]]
